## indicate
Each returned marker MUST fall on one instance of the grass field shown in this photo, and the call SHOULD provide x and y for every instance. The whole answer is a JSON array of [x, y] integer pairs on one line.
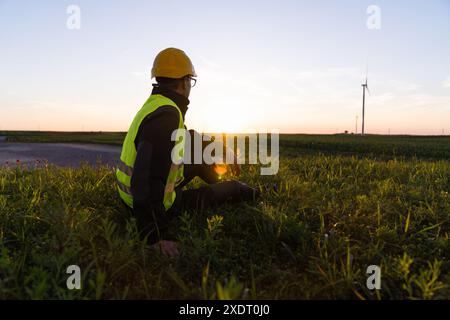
[[375, 146], [113, 138], [341, 203]]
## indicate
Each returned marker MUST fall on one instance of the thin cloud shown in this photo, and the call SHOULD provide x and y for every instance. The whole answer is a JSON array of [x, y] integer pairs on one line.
[[138, 74], [446, 82], [209, 63]]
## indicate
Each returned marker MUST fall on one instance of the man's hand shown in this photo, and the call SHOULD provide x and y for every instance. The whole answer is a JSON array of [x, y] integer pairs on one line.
[[169, 248], [235, 166], [221, 169]]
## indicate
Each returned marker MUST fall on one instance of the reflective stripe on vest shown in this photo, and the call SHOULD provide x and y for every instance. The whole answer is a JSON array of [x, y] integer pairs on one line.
[[124, 170]]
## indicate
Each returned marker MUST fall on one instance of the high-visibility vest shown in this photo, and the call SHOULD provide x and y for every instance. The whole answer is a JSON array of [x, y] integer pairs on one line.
[[124, 170]]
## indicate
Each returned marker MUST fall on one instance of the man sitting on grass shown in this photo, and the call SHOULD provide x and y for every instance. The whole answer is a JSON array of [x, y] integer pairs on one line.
[[150, 180]]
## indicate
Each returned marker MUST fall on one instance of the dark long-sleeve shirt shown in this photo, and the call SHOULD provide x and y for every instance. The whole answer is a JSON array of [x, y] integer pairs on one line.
[[153, 160]]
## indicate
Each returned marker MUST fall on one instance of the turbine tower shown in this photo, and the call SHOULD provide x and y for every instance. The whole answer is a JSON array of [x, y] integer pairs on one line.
[[365, 87]]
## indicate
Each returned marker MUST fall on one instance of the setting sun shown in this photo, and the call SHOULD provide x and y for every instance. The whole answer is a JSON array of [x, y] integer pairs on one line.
[[228, 122]]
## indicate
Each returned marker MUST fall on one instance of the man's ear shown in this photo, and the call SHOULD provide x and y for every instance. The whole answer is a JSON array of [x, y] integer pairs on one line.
[[185, 82], [180, 85]]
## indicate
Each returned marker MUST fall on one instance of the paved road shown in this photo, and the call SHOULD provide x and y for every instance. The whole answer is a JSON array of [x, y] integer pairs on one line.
[[61, 154]]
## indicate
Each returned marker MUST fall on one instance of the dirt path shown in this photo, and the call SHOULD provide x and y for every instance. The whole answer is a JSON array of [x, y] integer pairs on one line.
[[61, 154]]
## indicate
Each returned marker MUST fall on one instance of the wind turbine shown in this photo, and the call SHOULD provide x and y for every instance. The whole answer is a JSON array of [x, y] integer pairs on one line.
[[365, 87]]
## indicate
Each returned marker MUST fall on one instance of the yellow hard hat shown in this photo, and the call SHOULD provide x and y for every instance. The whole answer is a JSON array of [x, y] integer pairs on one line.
[[172, 63]]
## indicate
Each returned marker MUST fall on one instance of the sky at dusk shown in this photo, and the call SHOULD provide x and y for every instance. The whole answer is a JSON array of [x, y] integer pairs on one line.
[[294, 66]]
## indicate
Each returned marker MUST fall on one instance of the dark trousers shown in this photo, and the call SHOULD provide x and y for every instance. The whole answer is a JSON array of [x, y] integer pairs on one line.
[[196, 199], [156, 227]]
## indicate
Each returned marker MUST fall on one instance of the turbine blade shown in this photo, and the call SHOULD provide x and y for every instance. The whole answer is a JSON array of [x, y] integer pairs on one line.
[[367, 67], [367, 88]]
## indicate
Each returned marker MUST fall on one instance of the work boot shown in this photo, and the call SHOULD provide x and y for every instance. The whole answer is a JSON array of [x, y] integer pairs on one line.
[[233, 191], [247, 193]]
